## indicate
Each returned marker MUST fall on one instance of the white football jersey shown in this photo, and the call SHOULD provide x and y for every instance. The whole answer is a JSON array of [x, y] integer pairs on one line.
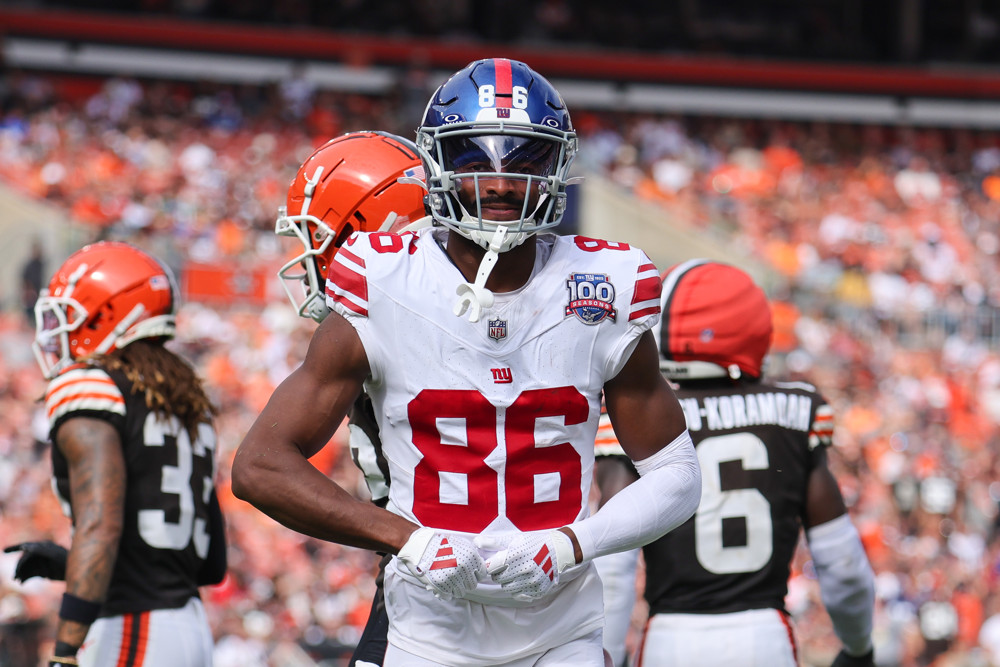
[[489, 426]]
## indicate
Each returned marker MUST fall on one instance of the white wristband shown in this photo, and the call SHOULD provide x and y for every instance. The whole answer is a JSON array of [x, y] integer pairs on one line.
[[565, 553]]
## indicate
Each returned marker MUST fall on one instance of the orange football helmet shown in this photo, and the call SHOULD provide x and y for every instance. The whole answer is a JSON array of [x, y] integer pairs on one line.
[[716, 322], [349, 184], [103, 297]]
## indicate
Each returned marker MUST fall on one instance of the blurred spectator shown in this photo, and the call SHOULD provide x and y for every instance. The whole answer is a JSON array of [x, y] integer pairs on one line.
[[32, 278], [917, 184]]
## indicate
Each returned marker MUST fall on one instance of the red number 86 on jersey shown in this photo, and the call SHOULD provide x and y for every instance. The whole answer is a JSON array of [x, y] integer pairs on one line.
[[525, 460]]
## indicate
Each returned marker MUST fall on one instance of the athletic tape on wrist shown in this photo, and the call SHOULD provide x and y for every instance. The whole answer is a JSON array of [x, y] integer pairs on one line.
[[78, 610]]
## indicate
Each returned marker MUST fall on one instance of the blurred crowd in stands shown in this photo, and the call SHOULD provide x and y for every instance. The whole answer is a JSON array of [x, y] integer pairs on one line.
[[883, 243], [955, 32]]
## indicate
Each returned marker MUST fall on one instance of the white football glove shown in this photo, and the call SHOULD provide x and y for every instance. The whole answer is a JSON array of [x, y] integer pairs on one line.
[[530, 565], [448, 566]]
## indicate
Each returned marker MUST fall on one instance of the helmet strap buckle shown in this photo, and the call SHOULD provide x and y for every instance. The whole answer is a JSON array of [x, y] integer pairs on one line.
[[474, 297]]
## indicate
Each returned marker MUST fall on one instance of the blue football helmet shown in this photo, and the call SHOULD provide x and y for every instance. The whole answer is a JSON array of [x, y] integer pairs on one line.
[[497, 120]]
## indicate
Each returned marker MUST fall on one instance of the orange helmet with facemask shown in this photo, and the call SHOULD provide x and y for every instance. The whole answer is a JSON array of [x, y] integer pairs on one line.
[[103, 297], [716, 322], [350, 184]]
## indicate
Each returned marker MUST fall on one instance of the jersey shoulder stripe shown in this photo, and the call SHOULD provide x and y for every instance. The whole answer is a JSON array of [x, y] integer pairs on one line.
[[646, 297], [821, 432], [82, 388], [346, 282]]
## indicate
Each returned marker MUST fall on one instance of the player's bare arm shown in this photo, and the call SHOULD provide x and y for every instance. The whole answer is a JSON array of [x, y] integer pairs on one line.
[[824, 501], [648, 420], [97, 479], [630, 394], [271, 469], [643, 409]]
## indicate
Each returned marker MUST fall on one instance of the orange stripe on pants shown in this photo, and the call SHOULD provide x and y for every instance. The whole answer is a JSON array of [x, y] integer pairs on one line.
[[135, 633]]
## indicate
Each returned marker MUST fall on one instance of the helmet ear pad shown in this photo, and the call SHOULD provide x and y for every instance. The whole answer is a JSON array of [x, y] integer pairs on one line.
[[715, 313]]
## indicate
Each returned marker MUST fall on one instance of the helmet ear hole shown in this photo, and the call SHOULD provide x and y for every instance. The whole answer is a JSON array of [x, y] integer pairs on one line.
[[95, 322], [345, 233]]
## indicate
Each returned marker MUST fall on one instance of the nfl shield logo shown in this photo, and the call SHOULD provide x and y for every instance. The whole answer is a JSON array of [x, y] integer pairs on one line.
[[498, 329]]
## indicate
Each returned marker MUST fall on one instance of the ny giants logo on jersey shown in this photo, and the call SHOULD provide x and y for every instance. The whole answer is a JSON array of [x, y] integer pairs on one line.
[[502, 375], [498, 329], [591, 297]]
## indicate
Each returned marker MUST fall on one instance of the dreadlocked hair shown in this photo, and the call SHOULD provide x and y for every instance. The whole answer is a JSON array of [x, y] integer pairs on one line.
[[167, 382]]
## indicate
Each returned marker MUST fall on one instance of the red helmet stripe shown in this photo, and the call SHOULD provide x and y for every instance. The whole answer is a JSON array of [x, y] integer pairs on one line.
[[504, 85]]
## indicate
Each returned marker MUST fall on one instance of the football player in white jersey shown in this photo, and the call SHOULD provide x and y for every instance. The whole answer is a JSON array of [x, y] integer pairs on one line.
[[486, 347], [716, 586], [133, 465]]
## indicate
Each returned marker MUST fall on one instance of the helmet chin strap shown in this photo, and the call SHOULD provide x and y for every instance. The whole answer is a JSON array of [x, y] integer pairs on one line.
[[698, 370], [474, 297]]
